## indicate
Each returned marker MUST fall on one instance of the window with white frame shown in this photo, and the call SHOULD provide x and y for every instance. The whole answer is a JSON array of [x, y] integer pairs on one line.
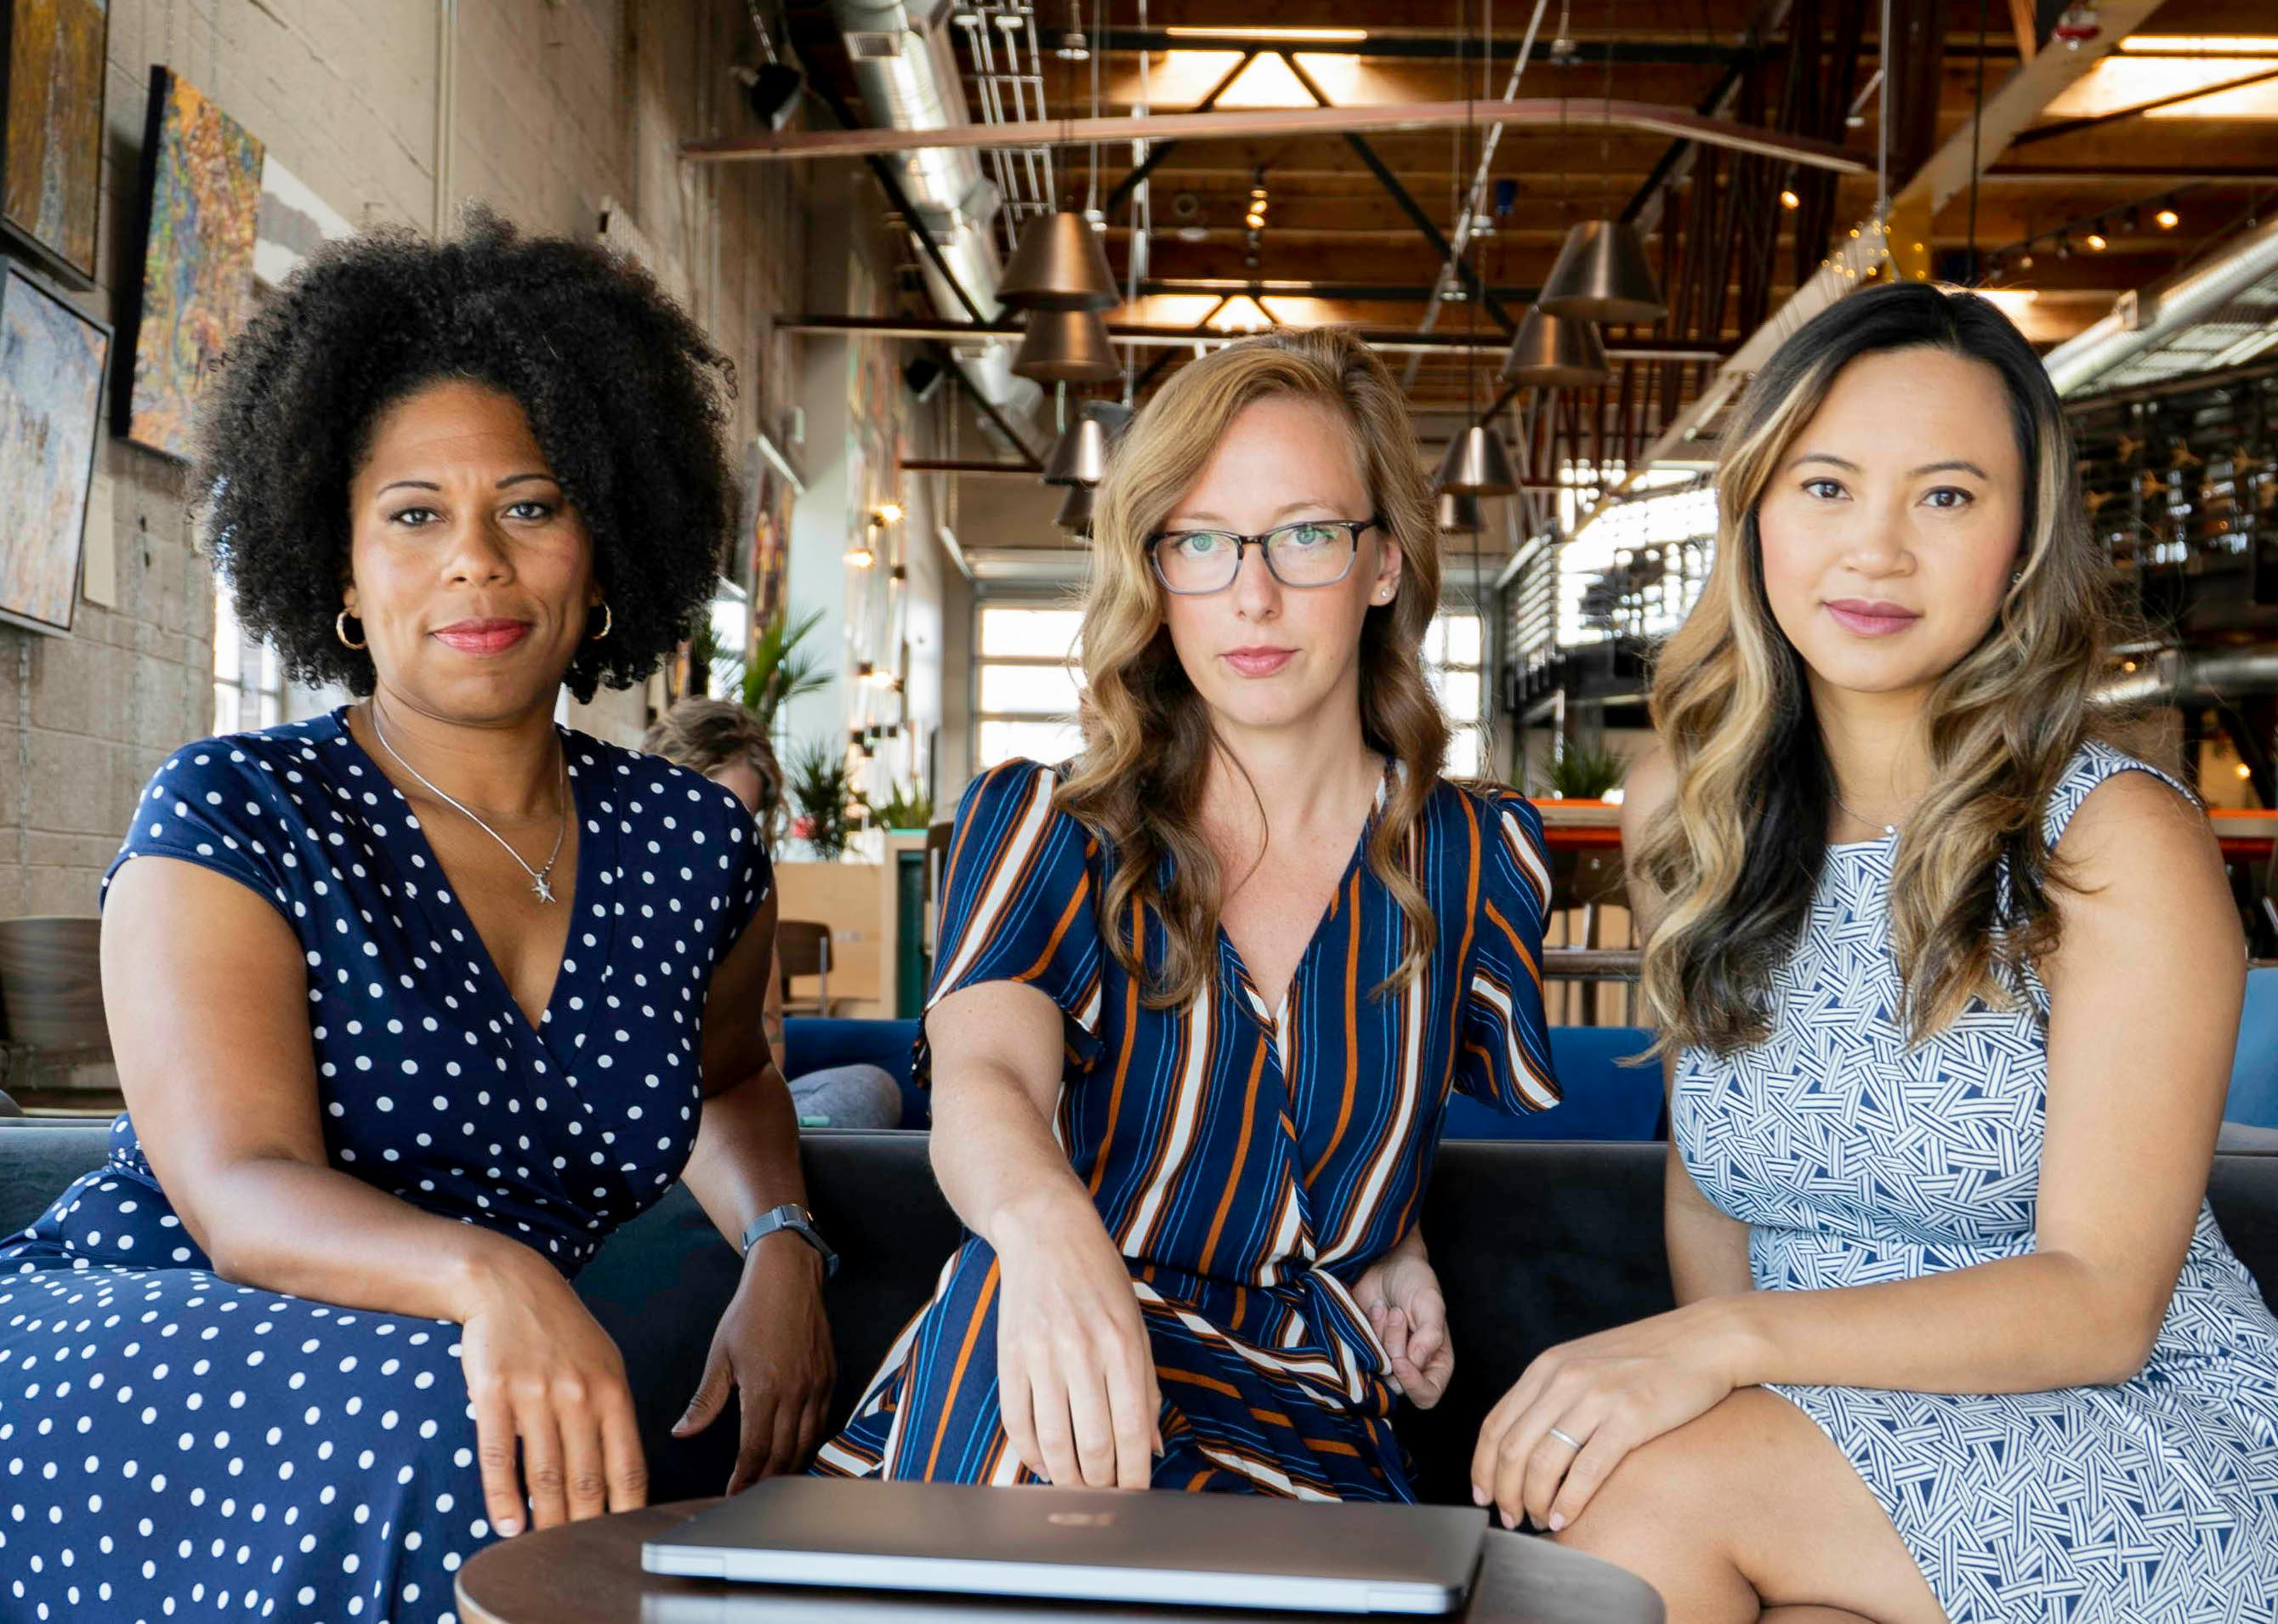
[[1028, 681], [248, 681], [1455, 664]]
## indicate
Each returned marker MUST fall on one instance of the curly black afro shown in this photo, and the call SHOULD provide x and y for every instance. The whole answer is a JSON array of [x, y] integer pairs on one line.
[[626, 396]]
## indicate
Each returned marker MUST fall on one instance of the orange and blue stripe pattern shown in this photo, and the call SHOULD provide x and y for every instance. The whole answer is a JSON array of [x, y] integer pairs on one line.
[[1248, 1162]]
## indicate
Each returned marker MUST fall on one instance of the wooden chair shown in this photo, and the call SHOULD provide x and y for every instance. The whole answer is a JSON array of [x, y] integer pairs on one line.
[[803, 948], [51, 982]]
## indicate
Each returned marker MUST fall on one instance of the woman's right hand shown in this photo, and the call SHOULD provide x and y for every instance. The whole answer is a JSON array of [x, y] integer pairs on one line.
[[540, 1370], [1075, 1375]]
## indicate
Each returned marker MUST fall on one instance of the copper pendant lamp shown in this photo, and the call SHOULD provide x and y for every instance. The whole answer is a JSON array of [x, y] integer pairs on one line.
[[1550, 350], [1065, 347], [1059, 265], [1460, 514], [1076, 511], [1602, 276], [1477, 463]]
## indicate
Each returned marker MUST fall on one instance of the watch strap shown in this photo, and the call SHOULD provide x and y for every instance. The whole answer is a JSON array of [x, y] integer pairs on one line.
[[799, 1222]]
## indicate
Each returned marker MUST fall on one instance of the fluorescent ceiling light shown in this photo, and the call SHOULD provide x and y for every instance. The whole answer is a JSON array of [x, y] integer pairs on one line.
[[1312, 36], [2200, 45]]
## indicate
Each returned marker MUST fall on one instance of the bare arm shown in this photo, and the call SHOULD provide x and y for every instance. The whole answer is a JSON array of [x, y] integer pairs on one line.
[[203, 987], [2145, 991], [1076, 1375], [746, 1160], [997, 1051], [772, 1346], [1708, 1248]]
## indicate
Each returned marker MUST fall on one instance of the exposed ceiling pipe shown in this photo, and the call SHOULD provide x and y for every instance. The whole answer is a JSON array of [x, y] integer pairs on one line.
[[1468, 217], [2149, 317], [2195, 677], [906, 71]]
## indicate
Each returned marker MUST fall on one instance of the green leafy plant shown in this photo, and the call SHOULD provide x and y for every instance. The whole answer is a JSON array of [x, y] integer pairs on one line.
[[778, 671], [707, 661], [822, 790], [1580, 772], [906, 808]]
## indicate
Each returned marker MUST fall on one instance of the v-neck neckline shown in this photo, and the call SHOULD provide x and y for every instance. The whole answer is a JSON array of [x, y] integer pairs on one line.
[[443, 893], [1248, 986]]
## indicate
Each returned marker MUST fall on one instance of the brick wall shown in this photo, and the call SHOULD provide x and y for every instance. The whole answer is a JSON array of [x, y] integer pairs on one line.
[[558, 106]]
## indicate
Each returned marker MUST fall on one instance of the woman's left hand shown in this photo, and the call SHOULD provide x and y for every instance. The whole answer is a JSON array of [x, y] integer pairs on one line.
[[773, 1348], [1610, 1394], [1401, 1295]]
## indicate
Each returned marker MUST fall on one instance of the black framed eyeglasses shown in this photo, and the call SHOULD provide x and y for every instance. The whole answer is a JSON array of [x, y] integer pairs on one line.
[[1310, 552]]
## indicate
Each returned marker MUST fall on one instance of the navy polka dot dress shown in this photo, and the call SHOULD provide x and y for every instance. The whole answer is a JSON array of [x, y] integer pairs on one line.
[[172, 1444]]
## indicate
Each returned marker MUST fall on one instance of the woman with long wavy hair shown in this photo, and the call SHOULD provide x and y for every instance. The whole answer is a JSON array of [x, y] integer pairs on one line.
[[1947, 987], [1202, 992]]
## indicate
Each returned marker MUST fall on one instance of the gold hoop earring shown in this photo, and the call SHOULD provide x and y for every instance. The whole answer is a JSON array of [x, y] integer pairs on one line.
[[608, 620], [341, 631]]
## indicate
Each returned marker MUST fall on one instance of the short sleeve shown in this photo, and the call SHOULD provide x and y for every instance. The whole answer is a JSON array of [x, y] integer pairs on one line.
[[1504, 1057], [729, 858], [1017, 903], [216, 803]]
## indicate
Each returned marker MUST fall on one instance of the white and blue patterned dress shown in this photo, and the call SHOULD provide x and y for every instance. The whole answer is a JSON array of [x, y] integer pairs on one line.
[[1856, 1160], [176, 1446]]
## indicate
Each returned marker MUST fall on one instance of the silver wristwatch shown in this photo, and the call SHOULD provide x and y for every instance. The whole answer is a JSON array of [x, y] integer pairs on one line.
[[800, 1222]]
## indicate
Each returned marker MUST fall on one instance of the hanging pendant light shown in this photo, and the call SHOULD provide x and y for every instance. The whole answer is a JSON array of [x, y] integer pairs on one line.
[[1059, 265], [1460, 514], [1066, 346], [1477, 463], [1602, 276], [1079, 455], [1076, 511], [1551, 350]]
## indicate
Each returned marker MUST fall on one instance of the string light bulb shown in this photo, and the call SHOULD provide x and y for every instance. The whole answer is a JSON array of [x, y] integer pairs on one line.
[[889, 512], [1789, 200], [2167, 219]]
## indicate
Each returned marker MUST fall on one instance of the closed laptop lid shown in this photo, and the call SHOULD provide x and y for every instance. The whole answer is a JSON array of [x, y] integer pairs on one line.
[[1203, 1547]]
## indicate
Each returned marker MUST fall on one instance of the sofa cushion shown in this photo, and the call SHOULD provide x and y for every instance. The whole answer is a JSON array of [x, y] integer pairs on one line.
[[1535, 1244], [816, 1043]]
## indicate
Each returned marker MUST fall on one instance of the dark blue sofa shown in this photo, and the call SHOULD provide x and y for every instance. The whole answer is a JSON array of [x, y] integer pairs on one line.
[[1608, 1095]]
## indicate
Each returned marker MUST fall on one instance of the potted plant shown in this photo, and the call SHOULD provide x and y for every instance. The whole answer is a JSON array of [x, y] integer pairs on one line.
[[778, 671], [820, 791], [1580, 772], [910, 808]]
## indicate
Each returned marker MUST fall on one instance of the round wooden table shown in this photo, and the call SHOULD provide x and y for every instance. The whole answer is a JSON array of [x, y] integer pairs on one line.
[[590, 1573]]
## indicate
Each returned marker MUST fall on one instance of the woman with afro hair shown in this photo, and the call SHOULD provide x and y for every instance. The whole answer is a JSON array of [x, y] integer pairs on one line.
[[416, 1002]]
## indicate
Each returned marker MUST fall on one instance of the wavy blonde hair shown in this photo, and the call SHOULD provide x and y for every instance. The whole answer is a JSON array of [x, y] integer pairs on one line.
[[1148, 735], [1736, 853]]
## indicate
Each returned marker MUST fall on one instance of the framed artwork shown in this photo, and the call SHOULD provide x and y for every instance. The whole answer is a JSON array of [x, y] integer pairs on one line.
[[771, 488], [52, 72], [201, 184], [53, 357]]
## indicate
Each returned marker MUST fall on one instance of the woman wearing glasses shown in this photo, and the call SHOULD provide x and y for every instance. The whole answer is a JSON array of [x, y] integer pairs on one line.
[[1202, 992]]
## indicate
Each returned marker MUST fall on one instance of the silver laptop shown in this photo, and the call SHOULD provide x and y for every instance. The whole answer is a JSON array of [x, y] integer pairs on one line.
[[1197, 1549]]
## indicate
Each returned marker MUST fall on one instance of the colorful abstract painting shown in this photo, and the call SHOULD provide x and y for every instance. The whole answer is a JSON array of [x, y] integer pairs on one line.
[[53, 358], [204, 188], [51, 54], [769, 494]]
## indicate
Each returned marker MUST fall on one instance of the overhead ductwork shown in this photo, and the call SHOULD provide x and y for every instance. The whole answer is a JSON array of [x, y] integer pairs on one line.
[[2152, 320], [906, 69], [2198, 677]]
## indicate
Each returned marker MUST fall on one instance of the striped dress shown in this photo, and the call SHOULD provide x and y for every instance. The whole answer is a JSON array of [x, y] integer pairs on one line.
[[1248, 1162]]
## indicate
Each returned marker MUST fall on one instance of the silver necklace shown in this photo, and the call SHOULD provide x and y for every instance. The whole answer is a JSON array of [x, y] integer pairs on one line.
[[1887, 828], [538, 876]]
